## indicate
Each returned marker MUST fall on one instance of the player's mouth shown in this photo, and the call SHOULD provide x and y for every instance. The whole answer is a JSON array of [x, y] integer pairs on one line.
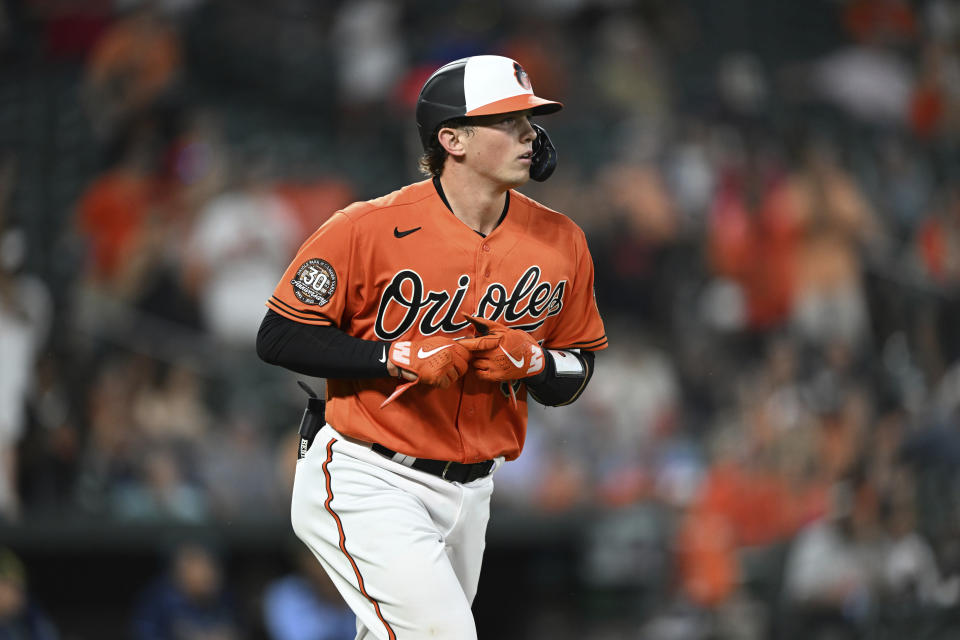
[[526, 157]]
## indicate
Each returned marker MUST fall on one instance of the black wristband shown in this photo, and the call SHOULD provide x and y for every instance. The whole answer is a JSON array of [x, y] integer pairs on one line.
[[553, 390]]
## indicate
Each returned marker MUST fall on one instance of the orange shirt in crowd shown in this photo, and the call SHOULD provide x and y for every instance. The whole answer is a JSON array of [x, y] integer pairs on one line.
[[140, 55], [111, 214], [757, 248], [737, 508]]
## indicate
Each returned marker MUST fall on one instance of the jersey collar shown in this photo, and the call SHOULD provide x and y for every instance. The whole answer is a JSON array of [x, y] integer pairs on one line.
[[443, 197]]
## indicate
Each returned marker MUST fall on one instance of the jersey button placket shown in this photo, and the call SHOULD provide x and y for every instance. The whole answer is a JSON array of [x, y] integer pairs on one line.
[[485, 266]]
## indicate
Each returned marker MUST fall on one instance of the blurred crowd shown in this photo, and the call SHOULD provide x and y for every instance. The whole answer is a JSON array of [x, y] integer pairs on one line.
[[770, 192], [190, 596]]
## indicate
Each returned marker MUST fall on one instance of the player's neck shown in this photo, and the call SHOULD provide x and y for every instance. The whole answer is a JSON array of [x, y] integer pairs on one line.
[[477, 205]]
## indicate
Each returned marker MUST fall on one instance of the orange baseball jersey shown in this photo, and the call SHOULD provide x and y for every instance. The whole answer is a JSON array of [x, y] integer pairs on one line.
[[403, 266]]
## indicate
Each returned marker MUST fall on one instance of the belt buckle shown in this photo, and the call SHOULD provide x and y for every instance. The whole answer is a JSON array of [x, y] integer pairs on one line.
[[443, 475]]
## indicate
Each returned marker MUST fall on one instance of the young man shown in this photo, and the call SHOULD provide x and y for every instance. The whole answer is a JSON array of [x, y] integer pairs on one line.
[[433, 312]]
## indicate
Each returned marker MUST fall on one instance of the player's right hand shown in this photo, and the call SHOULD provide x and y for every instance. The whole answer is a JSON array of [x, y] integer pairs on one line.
[[436, 361], [501, 354]]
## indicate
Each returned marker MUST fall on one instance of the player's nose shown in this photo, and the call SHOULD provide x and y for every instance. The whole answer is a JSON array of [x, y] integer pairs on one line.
[[527, 132]]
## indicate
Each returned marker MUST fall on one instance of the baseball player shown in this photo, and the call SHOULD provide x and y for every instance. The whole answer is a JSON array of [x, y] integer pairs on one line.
[[434, 313]]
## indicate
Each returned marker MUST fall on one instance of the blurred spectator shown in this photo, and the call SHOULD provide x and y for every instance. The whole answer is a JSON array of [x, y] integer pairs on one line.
[[936, 245], [935, 101], [751, 222], [304, 605], [707, 560], [630, 432], [312, 202], [173, 409], [838, 226], [20, 617], [906, 186], [642, 225], [239, 243], [370, 56], [237, 469], [186, 172], [752, 497], [158, 491], [112, 215], [886, 22], [911, 575], [946, 397], [628, 74], [870, 83], [51, 449], [941, 20], [192, 168], [833, 573], [112, 444], [742, 85], [843, 420], [189, 601], [70, 30], [690, 174], [26, 315], [134, 62], [169, 423]]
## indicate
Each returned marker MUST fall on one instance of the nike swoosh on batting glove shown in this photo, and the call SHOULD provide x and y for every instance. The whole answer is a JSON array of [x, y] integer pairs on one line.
[[436, 361], [501, 354]]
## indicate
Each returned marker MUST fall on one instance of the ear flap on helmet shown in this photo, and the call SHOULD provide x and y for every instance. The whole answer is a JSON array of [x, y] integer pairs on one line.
[[544, 158]]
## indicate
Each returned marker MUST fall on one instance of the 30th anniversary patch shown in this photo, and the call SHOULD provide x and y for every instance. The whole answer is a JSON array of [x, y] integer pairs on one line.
[[315, 282]]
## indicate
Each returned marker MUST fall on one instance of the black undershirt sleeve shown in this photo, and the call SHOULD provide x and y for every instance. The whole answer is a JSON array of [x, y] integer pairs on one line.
[[552, 390], [319, 351]]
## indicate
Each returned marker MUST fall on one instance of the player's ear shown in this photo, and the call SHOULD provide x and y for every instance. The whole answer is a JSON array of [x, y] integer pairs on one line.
[[451, 139]]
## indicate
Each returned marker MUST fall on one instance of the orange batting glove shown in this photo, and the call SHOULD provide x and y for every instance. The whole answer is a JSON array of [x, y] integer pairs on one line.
[[436, 361], [501, 354]]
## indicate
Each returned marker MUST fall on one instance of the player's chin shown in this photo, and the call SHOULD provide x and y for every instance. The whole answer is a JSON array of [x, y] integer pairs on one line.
[[518, 178]]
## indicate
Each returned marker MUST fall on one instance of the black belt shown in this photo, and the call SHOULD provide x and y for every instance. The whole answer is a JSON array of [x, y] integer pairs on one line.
[[450, 471]]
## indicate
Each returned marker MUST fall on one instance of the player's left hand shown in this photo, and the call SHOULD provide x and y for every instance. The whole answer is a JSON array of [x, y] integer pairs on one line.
[[436, 361], [501, 354]]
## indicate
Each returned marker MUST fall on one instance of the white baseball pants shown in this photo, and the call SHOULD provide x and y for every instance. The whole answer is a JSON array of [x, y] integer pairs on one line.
[[403, 547]]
